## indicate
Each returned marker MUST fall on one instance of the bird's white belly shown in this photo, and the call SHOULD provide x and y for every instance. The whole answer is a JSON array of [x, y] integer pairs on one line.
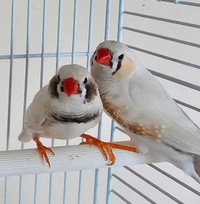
[[66, 131]]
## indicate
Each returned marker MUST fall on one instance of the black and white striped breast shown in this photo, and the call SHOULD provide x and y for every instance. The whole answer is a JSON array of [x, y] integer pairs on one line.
[[69, 118]]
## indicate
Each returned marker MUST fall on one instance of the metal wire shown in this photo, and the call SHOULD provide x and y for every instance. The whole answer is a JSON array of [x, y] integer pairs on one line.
[[106, 36], [153, 185], [74, 30], [162, 37], [25, 86], [10, 92], [119, 38], [110, 170], [133, 189], [90, 32], [41, 81], [187, 3], [96, 181], [162, 172], [187, 105], [166, 57], [175, 80], [72, 61], [46, 55], [65, 185], [120, 196], [174, 179], [162, 19], [43, 42], [120, 20], [59, 34], [51, 179], [107, 23], [57, 66]]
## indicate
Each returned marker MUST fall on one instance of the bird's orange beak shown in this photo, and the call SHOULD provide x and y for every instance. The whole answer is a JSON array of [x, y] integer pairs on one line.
[[71, 86], [104, 57]]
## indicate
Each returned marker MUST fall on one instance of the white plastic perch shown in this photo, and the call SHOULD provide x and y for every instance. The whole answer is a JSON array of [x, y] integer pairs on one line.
[[20, 162]]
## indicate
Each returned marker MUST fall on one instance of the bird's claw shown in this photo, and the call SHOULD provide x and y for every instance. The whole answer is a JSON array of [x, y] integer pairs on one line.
[[43, 150], [94, 141], [106, 148], [43, 154]]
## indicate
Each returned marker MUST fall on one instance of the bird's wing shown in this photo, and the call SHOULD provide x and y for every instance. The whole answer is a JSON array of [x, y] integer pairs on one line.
[[154, 108], [183, 134], [36, 114]]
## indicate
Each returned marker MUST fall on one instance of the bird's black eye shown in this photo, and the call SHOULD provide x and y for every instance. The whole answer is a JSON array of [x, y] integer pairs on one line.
[[58, 77], [95, 57], [121, 57], [85, 81]]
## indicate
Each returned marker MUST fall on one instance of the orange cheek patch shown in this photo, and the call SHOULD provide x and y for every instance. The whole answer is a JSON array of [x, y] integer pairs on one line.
[[126, 70]]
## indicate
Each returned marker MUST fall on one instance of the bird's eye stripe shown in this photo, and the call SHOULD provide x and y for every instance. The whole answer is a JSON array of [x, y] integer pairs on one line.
[[58, 77], [85, 80], [121, 57]]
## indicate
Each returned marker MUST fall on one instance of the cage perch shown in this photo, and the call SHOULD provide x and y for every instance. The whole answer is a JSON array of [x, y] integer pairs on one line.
[[77, 157]]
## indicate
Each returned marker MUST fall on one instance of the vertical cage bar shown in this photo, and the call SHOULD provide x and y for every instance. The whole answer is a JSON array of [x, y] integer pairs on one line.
[[106, 36], [10, 74], [43, 43], [95, 198], [57, 66], [72, 61], [65, 188], [74, 30], [51, 180], [65, 185], [41, 82], [110, 170], [120, 20], [80, 187], [25, 86], [10, 92], [58, 34], [35, 190], [90, 32], [107, 23], [96, 181], [119, 38]]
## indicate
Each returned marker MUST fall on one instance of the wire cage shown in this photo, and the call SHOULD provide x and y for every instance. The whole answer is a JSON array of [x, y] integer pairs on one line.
[[37, 37]]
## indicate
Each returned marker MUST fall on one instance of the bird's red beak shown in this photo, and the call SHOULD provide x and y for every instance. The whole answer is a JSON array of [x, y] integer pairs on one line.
[[71, 86], [104, 57]]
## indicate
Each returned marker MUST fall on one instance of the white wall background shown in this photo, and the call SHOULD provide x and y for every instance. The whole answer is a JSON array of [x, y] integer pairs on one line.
[[190, 54]]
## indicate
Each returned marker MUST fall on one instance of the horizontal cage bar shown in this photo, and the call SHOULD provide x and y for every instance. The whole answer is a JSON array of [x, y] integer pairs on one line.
[[165, 57], [162, 37], [153, 185], [162, 19], [133, 189], [120, 196]]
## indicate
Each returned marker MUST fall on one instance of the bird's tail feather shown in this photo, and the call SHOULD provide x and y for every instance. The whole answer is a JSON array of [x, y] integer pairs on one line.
[[196, 162]]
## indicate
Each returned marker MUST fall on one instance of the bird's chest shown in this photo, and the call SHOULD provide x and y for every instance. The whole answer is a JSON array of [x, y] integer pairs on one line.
[[117, 112], [67, 130], [132, 121]]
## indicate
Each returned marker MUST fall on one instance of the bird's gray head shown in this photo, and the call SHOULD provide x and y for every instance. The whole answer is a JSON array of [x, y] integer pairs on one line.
[[72, 82], [113, 59]]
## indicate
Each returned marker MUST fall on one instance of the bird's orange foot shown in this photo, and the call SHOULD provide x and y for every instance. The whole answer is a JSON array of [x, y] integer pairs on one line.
[[42, 150], [106, 148]]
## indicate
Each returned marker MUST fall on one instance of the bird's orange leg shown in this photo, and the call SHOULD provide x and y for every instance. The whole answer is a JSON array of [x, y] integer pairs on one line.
[[42, 150], [94, 141], [106, 147]]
